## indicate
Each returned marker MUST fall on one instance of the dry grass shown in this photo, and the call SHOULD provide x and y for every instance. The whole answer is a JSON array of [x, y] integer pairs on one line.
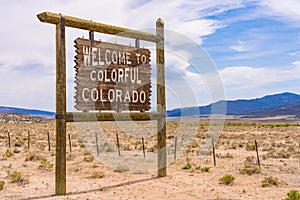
[[31, 171]]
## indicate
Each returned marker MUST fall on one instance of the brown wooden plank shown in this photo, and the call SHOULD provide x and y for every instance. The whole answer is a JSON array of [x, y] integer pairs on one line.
[[84, 81], [54, 18], [81, 43], [110, 116]]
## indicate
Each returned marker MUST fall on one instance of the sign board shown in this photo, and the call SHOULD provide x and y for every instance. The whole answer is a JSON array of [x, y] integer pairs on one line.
[[111, 76]]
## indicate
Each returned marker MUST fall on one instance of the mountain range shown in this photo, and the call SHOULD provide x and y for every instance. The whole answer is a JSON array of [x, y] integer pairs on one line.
[[32, 112], [267, 106]]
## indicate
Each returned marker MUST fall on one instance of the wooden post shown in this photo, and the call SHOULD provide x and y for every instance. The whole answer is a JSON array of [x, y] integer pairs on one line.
[[143, 143], [175, 148], [49, 143], [8, 135], [213, 149], [28, 137], [70, 143], [256, 149], [118, 144], [97, 145], [60, 167], [54, 18], [161, 100]]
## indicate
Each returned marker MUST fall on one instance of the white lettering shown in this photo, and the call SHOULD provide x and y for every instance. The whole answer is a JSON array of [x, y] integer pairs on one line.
[[107, 52], [114, 57], [111, 95], [127, 97], [100, 75], [126, 74], [135, 96], [83, 94], [138, 58], [114, 75], [120, 74], [119, 95], [137, 77], [144, 59], [128, 62], [106, 79], [142, 97], [91, 75], [94, 94]]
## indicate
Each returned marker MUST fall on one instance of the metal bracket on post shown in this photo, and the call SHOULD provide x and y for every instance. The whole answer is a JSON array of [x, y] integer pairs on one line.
[[137, 44], [91, 37]]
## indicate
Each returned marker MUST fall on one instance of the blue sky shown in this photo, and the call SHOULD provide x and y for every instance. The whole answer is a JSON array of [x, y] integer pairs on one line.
[[250, 46]]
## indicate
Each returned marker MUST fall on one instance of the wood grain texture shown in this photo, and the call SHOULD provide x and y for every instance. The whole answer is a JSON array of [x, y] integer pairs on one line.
[[83, 77], [60, 164], [112, 116], [54, 18], [161, 101]]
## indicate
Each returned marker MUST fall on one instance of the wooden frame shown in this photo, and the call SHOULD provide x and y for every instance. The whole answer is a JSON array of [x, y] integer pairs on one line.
[[62, 116]]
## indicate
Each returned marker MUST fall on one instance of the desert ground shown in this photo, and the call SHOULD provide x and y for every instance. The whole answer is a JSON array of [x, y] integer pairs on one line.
[[99, 172]]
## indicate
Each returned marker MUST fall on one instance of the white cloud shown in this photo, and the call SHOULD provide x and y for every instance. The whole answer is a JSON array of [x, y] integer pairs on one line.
[[246, 77], [239, 47], [28, 46], [294, 53], [27, 42], [288, 9]]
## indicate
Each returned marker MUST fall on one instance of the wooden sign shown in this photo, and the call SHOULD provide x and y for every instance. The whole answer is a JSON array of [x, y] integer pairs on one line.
[[111, 76]]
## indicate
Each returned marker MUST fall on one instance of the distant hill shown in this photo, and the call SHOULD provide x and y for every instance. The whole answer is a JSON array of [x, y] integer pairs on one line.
[[290, 109], [32, 112], [270, 105]]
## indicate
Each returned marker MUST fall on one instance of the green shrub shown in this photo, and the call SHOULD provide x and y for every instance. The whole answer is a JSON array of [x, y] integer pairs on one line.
[[269, 181], [293, 195], [227, 179], [250, 166], [17, 177], [97, 174], [8, 153], [205, 169], [89, 158], [32, 156], [16, 150], [187, 166], [2, 183], [250, 147], [45, 164]]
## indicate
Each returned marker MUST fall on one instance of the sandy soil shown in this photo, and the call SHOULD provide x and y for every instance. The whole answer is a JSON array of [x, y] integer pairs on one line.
[[130, 176]]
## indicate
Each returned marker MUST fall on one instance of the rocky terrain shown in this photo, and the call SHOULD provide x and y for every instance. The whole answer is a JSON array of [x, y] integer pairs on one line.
[[17, 118], [28, 166]]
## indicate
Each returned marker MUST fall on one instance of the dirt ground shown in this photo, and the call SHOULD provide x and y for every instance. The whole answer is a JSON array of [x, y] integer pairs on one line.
[[28, 169]]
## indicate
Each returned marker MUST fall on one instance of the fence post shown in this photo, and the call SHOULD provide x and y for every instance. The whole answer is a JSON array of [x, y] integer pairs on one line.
[[118, 144], [256, 149], [143, 143], [97, 145], [8, 135], [49, 143], [70, 143], [213, 149], [28, 139]]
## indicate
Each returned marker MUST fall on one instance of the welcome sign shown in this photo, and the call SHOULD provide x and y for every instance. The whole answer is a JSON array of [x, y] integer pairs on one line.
[[111, 76]]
